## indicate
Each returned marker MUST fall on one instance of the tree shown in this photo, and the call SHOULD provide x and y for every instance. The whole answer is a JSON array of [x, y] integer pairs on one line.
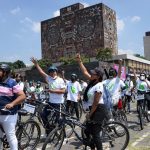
[[104, 54], [72, 60], [44, 63], [18, 64], [138, 55]]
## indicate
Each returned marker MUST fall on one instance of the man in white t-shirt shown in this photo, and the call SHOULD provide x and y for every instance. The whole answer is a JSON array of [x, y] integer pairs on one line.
[[114, 84], [73, 94], [56, 89], [142, 85], [128, 92]]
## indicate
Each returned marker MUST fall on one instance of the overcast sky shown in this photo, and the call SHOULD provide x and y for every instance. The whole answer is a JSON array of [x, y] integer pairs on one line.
[[20, 25]]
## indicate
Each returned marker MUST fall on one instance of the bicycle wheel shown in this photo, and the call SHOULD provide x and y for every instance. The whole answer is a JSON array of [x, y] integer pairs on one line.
[[69, 128], [28, 135], [54, 140], [141, 119], [116, 135], [147, 116]]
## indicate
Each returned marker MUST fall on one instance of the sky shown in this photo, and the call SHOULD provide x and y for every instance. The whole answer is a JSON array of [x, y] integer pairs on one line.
[[20, 35]]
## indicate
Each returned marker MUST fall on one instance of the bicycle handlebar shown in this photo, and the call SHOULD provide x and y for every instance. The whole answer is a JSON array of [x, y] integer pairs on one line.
[[45, 103]]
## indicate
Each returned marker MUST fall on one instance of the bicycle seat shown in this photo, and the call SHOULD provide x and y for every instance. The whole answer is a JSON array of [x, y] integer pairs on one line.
[[22, 112]]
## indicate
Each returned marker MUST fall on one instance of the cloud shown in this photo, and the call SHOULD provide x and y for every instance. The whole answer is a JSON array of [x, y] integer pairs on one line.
[[120, 25], [15, 11], [11, 58], [56, 13], [126, 51], [135, 19], [33, 25], [85, 4]]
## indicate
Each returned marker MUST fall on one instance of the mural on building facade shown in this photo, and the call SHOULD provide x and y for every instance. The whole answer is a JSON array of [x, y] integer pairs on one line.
[[79, 29]]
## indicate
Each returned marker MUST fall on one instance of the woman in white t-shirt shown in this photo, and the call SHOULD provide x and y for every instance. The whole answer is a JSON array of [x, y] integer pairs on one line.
[[94, 97], [98, 110]]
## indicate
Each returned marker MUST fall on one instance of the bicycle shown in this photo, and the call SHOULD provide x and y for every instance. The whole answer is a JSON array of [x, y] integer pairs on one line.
[[28, 132], [119, 115], [142, 109], [111, 132], [35, 114], [25, 132]]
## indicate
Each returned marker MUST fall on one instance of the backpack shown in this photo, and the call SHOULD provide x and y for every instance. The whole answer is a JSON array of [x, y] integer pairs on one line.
[[107, 98]]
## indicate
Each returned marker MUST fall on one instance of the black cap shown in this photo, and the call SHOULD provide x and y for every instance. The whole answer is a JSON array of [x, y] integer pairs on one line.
[[97, 72]]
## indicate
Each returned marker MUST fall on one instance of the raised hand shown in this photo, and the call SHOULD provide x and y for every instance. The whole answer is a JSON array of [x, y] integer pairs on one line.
[[78, 57], [34, 61]]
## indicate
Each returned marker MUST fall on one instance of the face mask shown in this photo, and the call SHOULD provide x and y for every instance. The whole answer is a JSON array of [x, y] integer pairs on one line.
[[142, 78], [128, 78], [111, 74], [73, 79]]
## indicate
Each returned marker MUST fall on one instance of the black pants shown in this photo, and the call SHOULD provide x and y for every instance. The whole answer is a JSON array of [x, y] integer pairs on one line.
[[74, 106], [147, 98], [127, 101], [94, 127]]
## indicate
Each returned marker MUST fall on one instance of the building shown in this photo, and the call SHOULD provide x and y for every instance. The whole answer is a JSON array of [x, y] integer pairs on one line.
[[147, 45], [130, 61], [79, 29]]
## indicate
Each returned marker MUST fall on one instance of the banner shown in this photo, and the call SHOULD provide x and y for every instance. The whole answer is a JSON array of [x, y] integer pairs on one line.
[[123, 71]]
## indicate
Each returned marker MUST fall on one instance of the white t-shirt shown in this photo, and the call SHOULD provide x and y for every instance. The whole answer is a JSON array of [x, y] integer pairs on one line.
[[73, 90], [31, 89], [129, 86], [55, 84], [114, 86], [91, 93], [21, 84], [84, 85], [141, 85]]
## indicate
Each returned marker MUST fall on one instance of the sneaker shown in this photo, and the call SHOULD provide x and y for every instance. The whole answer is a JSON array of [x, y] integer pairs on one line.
[[65, 141], [43, 136], [148, 112], [111, 120]]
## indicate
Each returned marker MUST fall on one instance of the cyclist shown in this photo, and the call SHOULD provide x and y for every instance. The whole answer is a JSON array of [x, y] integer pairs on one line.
[[73, 94], [93, 96], [147, 96], [128, 92], [38, 89], [31, 92], [142, 84], [56, 90], [11, 95], [114, 84], [19, 80]]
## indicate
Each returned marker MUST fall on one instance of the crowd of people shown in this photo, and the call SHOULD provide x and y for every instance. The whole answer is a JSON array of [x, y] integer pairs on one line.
[[13, 91]]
